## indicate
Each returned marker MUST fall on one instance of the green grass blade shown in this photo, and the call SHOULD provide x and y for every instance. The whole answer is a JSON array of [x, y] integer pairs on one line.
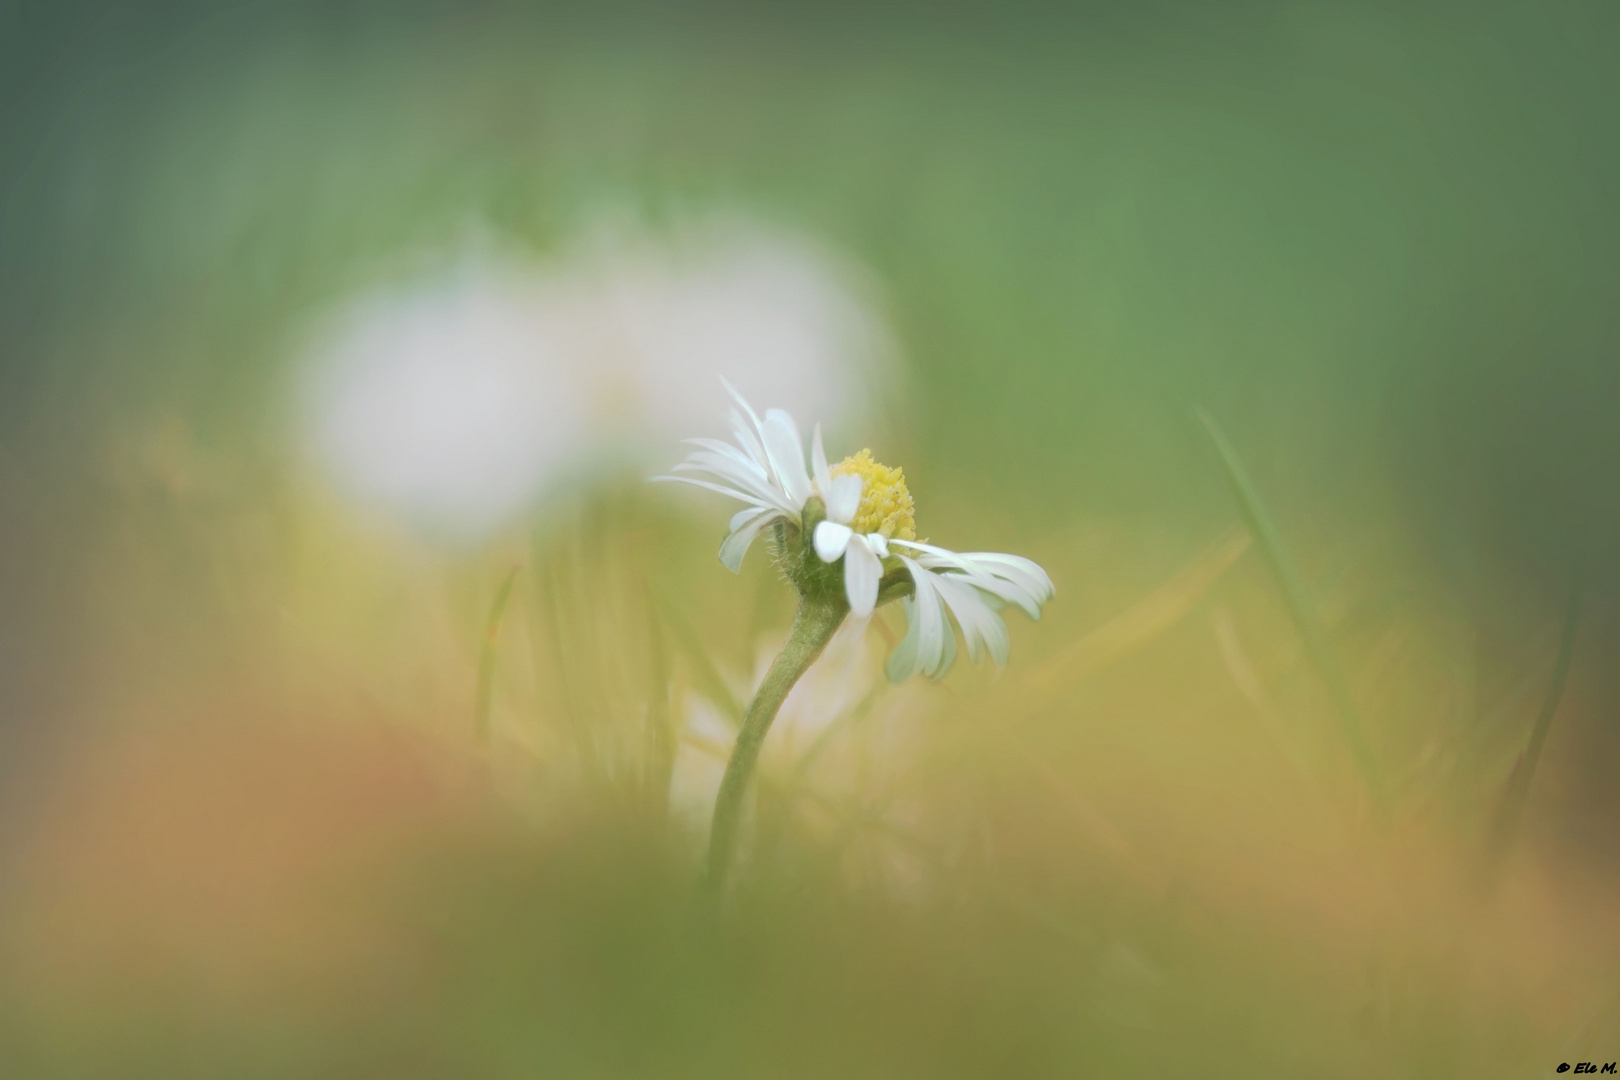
[[565, 664], [660, 717], [1269, 541], [485, 699], [1137, 626], [1518, 785], [709, 681]]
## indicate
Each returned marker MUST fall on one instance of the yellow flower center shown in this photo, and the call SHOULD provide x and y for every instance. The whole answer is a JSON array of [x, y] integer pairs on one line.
[[886, 505]]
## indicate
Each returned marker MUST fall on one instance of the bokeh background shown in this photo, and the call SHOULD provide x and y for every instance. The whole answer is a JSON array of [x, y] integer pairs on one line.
[[321, 323]]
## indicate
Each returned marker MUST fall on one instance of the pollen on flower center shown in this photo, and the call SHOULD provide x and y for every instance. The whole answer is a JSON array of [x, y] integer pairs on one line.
[[886, 505]]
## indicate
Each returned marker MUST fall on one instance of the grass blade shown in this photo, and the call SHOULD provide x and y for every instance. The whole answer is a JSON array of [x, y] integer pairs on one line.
[[1136, 627], [710, 683], [1518, 785], [1266, 537], [660, 717], [485, 699]]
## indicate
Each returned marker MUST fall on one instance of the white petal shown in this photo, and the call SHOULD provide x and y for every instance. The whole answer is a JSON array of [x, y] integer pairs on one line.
[[1011, 577], [748, 437], [786, 449], [861, 573], [818, 462], [962, 608], [1015, 568], [902, 663], [933, 634], [844, 498], [930, 549], [981, 627], [767, 443], [947, 649], [733, 472], [743, 517], [736, 476], [741, 401], [737, 544], [994, 602], [831, 539], [1005, 592], [741, 457], [1015, 592], [879, 544], [712, 487]]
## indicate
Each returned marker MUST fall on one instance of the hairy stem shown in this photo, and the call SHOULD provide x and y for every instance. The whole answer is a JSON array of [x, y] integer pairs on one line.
[[813, 627]]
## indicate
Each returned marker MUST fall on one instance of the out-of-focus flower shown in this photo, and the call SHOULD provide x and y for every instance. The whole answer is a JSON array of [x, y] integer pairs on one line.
[[458, 402]]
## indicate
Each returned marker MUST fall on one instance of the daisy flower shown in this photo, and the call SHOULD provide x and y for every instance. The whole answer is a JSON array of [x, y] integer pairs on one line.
[[846, 537], [859, 517]]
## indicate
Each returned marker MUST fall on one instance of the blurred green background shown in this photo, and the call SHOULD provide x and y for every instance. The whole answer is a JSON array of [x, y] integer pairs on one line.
[[247, 831]]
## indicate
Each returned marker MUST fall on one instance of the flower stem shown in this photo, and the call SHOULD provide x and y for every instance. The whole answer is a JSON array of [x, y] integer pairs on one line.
[[813, 627]]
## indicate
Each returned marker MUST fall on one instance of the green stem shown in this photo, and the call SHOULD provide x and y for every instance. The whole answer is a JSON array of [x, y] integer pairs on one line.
[[813, 627]]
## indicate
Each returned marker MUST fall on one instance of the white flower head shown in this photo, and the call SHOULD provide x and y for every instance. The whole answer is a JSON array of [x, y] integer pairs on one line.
[[859, 516]]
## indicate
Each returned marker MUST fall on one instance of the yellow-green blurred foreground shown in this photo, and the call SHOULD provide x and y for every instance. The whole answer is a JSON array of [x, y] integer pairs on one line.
[[320, 324]]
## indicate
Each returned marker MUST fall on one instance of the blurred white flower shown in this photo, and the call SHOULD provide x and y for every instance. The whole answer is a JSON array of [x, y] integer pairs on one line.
[[457, 402]]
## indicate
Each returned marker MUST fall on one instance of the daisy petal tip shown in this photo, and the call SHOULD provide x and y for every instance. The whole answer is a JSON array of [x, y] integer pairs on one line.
[[844, 498], [861, 573], [831, 540]]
